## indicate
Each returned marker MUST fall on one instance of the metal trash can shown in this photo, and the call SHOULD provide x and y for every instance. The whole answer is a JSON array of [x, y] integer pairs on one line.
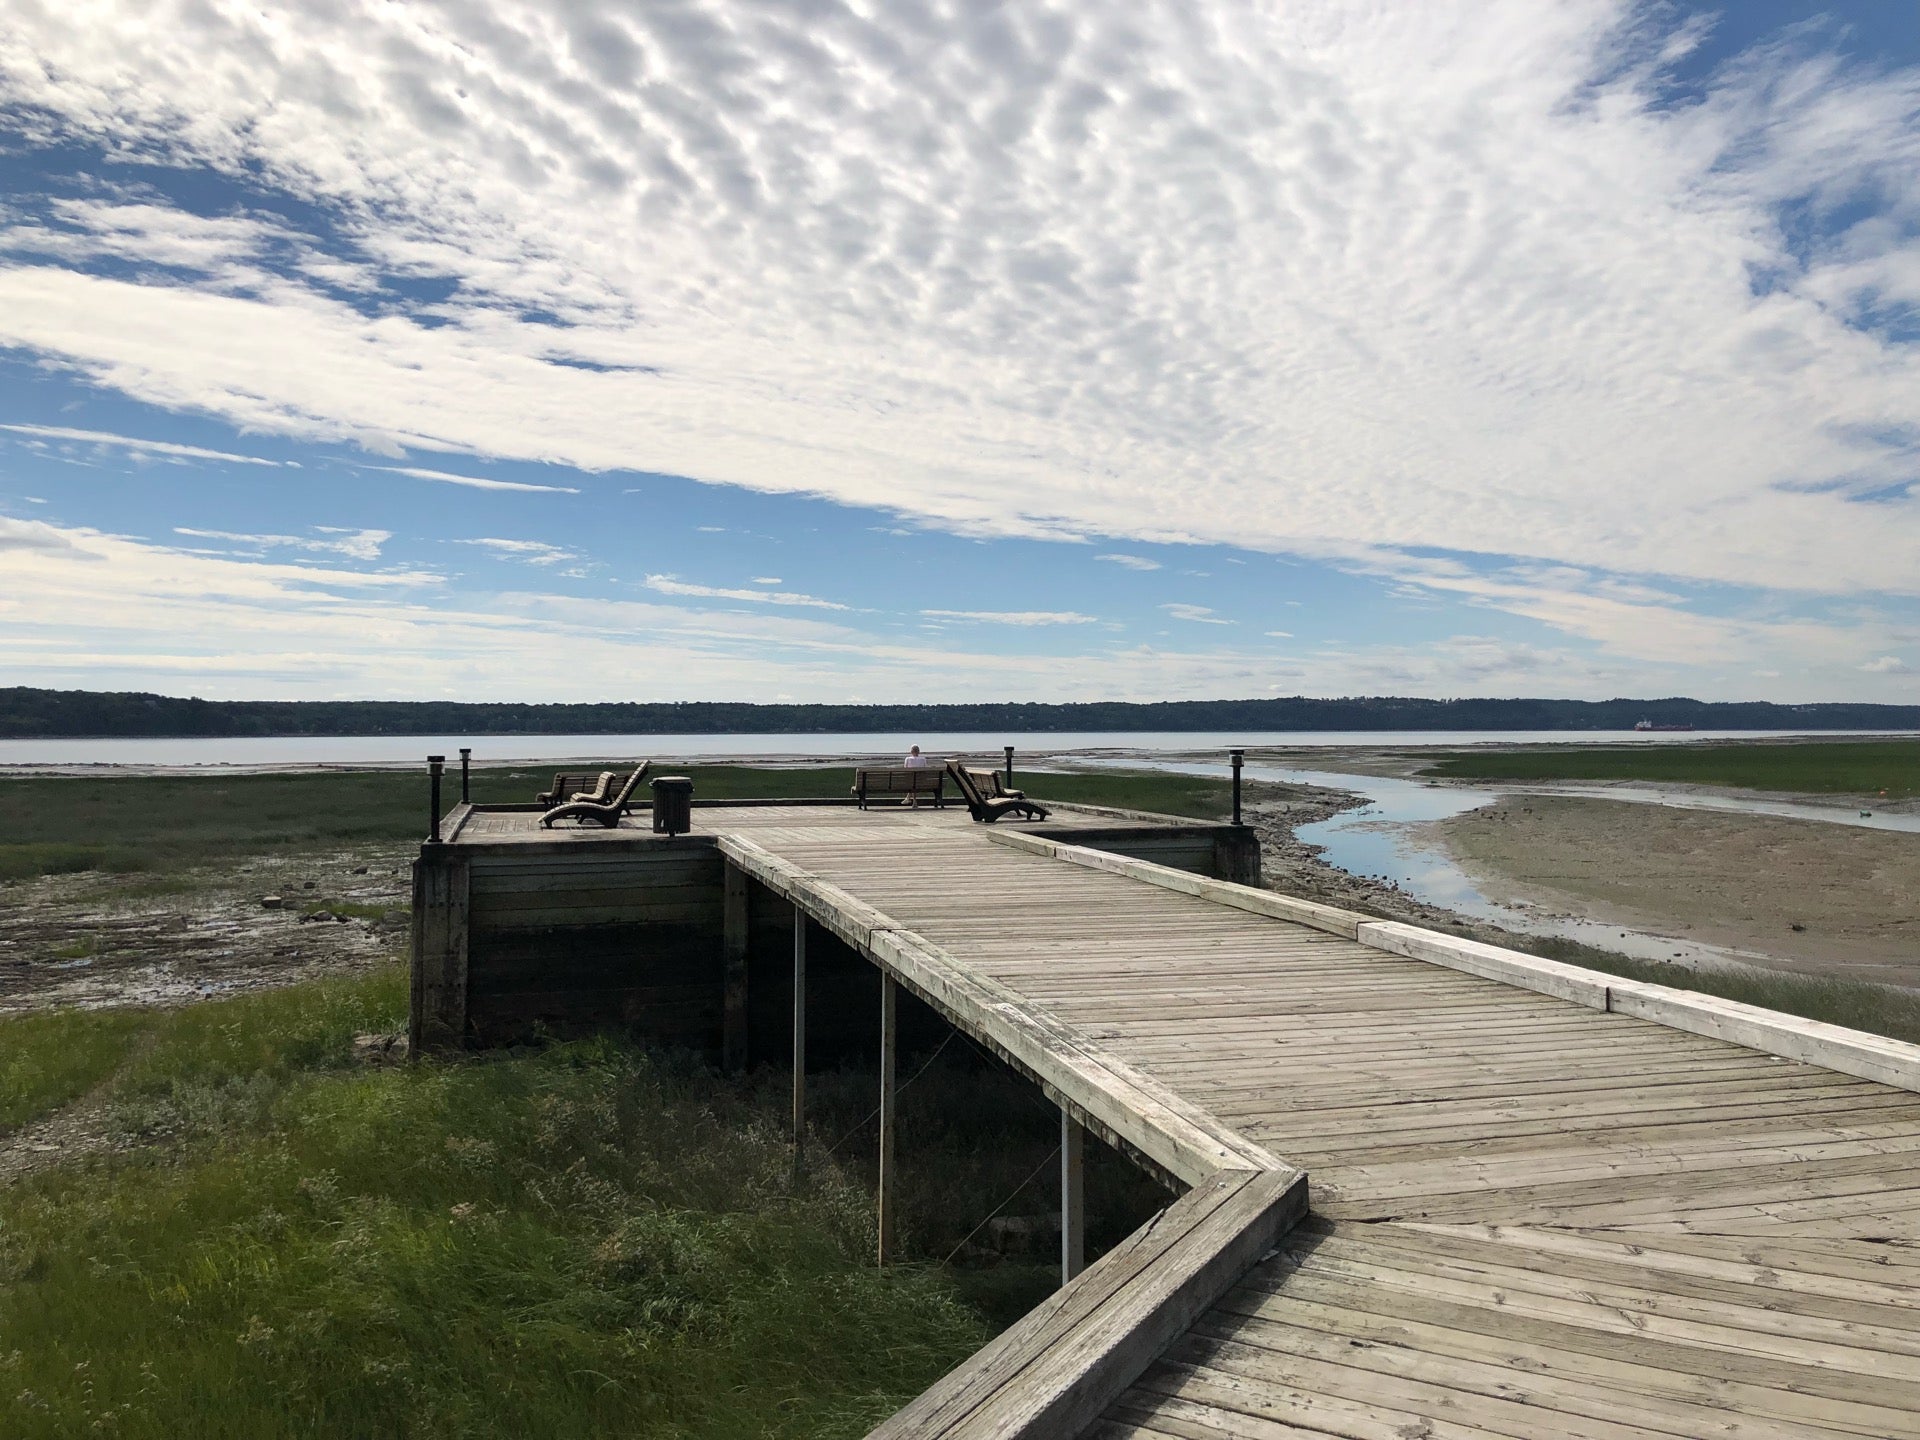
[[672, 804]]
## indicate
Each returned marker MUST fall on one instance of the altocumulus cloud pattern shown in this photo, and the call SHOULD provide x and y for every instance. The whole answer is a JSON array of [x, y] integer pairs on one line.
[[1525, 307]]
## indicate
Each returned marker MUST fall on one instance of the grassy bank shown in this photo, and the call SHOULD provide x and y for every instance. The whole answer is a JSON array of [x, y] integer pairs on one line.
[[165, 823], [1864, 767], [586, 1239]]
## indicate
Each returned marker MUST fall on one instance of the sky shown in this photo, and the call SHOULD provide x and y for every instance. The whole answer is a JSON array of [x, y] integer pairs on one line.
[[820, 351]]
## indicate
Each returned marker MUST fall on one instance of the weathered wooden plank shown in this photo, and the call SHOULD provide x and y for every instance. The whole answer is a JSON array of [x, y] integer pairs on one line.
[[1221, 892], [438, 1017], [1053, 1372]]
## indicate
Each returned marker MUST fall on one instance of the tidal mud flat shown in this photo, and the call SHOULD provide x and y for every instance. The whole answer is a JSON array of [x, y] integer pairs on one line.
[[92, 940], [1809, 898]]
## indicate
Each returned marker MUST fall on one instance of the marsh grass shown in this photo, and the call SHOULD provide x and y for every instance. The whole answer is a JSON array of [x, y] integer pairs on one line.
[[1862, 767], [52, 1057], [166, 824], [582, 1239]]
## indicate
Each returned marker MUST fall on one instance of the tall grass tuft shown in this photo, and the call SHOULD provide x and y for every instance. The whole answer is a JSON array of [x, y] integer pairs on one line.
[[579, 1240]]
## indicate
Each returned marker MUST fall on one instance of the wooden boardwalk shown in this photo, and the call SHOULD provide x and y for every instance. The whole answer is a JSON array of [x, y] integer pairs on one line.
[[1529, 1217]]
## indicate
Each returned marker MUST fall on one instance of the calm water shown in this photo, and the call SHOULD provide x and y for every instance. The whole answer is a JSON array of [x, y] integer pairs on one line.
[[1383, 840], [508, 749]]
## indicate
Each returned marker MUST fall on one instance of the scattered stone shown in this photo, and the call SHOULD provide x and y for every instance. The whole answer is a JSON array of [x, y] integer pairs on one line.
[[307, 885], [317, 916], [396, 919], [380, 1049], [271, 902], [359, 869]]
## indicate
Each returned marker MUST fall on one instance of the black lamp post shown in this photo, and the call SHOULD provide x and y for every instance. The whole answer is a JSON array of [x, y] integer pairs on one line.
[[1008, 777], [435, 765], [466, 753], [1238, 757]]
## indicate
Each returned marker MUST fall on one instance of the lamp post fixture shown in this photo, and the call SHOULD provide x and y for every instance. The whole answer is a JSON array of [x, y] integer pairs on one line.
[[435, 764], [1238, 757]]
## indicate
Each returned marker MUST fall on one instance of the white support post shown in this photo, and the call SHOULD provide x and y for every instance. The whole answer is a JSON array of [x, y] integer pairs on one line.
[[1073, 1197], [799, 1038], [889, 1106]]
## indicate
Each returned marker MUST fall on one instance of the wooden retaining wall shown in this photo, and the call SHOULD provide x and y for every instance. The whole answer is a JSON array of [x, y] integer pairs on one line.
[[515, 942], [559, 937]]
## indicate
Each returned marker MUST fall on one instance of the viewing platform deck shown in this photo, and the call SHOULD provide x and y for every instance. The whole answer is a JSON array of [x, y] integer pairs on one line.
[[1435, 1189]]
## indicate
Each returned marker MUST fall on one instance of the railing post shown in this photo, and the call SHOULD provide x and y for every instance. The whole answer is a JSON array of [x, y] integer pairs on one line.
[[466, 753], [435, 764], [799, 1039], [889, 1106], [1238, 757], [1073, 1197], [1007, 778]]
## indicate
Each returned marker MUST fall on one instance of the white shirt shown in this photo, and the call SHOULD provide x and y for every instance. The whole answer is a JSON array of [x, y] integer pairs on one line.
[[916, 762]]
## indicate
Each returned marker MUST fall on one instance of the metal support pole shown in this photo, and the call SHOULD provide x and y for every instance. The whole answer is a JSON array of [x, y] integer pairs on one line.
[[435, 764], [1008, 777], [799, 1039], [466, 755], [735, 937], [1073, 1197], [1239, 757], [889, 1106]]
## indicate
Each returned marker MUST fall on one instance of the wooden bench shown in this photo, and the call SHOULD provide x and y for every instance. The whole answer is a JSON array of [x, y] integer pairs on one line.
[[908, 781], [569, 783]]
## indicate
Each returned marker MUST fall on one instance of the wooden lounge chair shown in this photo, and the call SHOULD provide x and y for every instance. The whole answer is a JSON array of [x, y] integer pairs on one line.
[[993, 787], [989, 808], [578, 785], [601, 812]]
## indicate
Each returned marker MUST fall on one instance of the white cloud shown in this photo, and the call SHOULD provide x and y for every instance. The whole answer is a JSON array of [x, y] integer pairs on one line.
[[766, 580], [86, 609], [354, 544], [667, 585], [473, 482], [534, 552], [1286, 278], [1279, 634], [1014, 617], [137, 447], [1131, 562], [1199, 614], [1885, 665]]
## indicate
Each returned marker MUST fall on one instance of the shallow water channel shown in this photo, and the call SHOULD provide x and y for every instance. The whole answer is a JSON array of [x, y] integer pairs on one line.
[[1384, 840]]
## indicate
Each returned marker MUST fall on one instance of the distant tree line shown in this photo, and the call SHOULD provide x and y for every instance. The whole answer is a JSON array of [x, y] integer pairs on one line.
[[44, 714]]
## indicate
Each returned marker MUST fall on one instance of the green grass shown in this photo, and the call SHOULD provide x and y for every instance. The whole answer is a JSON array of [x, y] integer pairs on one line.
[[53, 1056], [584, 1239], [170, 823], [1858, 767]]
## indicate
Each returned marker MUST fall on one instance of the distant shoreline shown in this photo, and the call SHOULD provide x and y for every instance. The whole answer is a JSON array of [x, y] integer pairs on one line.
[[39, 714]]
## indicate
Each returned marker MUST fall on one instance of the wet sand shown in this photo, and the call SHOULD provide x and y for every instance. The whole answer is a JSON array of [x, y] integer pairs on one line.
[[1815, 899]]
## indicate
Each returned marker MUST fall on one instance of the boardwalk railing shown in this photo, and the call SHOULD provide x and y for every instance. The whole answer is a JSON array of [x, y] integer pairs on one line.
[[1851, 1052]]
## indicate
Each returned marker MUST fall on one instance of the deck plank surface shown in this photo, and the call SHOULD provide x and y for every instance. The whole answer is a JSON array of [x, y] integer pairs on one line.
[[1530, 1217]]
